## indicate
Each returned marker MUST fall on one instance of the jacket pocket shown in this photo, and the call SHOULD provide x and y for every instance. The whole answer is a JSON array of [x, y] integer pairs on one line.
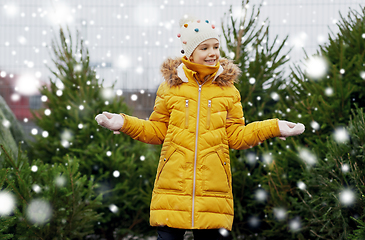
[[170, 172], [209, 113], [226, 165], [186, 113], [216, 172]]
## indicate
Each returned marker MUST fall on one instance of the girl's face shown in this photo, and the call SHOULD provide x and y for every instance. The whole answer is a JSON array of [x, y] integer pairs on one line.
[[206, 53]]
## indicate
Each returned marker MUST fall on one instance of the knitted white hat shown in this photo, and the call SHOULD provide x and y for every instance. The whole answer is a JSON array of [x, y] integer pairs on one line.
[[194, 31]]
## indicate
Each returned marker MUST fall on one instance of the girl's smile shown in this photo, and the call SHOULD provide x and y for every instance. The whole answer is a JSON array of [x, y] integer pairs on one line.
[[206, 53]]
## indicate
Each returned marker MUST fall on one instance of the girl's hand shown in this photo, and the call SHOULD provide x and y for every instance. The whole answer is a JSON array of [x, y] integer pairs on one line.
[[111, 121], [288, 129]]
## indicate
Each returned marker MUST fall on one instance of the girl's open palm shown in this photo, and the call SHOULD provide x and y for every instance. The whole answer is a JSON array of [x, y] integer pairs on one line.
[[111, 121], [288, 129]]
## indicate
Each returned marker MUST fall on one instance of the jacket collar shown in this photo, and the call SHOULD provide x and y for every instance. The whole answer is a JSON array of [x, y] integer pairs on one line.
[[173, 72], [181, 73]]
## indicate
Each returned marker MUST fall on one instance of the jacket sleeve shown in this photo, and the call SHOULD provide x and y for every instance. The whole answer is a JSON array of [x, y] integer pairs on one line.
[[241, 136], [151, 131]]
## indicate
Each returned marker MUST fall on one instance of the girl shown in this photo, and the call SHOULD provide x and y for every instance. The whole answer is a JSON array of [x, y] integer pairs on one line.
[[197, 117]]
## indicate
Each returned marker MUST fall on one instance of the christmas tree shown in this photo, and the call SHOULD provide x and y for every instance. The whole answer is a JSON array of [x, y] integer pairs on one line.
[[42, 201], [258, 187], [123, 169], [322, 96], [5, 134], [332, 83], [11, 131], [326, 94]]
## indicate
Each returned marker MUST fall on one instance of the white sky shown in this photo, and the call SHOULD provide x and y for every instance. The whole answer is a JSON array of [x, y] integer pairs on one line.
[[132, 38]]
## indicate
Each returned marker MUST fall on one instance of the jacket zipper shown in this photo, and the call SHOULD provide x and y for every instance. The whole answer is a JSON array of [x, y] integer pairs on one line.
[[186, 113], [196, 152], [208, 114]]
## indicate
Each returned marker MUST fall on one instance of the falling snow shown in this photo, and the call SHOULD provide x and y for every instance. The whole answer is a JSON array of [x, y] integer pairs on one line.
[[116, 173], [347, 197], [251, 158], [223, 232], [362, 75], [119, 92], [295, 224], [252, 81], [275, 96], [60, 181], [59, 93], [316, 67], [66, 136], [34, 131], [36, 188], [47, 112], [6, 123], [44, 98], [315, 125], [261, 195], [113, 208], [308, 157], [134, 97], [7, 203], [328, 91], [299, 40], [15, 97], [267, 158], [45, 134], [27, 84], [345, 168], [254, 221], [34, 168], [39, 211], [148, 34], [341, 135], [107, 93], [280, 213], [301, 185]]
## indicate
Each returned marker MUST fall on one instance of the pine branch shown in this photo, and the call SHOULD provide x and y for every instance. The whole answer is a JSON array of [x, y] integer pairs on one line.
[[9, 157]]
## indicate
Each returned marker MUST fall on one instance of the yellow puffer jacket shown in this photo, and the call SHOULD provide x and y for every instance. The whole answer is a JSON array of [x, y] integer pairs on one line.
[[196, 125]]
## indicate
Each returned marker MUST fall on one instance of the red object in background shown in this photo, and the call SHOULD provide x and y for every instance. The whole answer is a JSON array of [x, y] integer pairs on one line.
[[21, 106]]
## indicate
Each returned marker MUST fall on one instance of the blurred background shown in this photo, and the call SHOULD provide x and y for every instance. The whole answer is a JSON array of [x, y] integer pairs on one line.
[[128, 40]]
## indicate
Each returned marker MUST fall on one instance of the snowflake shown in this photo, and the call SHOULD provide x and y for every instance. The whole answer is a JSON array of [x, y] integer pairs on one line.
[[341, 135], [301, 185], [113, 208], [308, 157], [295, 224], [347, 197], [261, 195], [7, 203], [116, 173], [316, 67], [280, 213], [39, 211]]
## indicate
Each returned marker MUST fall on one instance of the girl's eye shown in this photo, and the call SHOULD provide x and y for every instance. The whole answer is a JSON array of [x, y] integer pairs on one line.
[[204, 48]]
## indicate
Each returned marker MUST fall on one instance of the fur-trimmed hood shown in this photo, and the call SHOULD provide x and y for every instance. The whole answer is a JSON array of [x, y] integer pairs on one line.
[[228, 76]]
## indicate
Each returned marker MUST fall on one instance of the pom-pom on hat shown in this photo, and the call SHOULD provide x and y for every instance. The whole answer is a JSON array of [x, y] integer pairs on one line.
[[194, 31]]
